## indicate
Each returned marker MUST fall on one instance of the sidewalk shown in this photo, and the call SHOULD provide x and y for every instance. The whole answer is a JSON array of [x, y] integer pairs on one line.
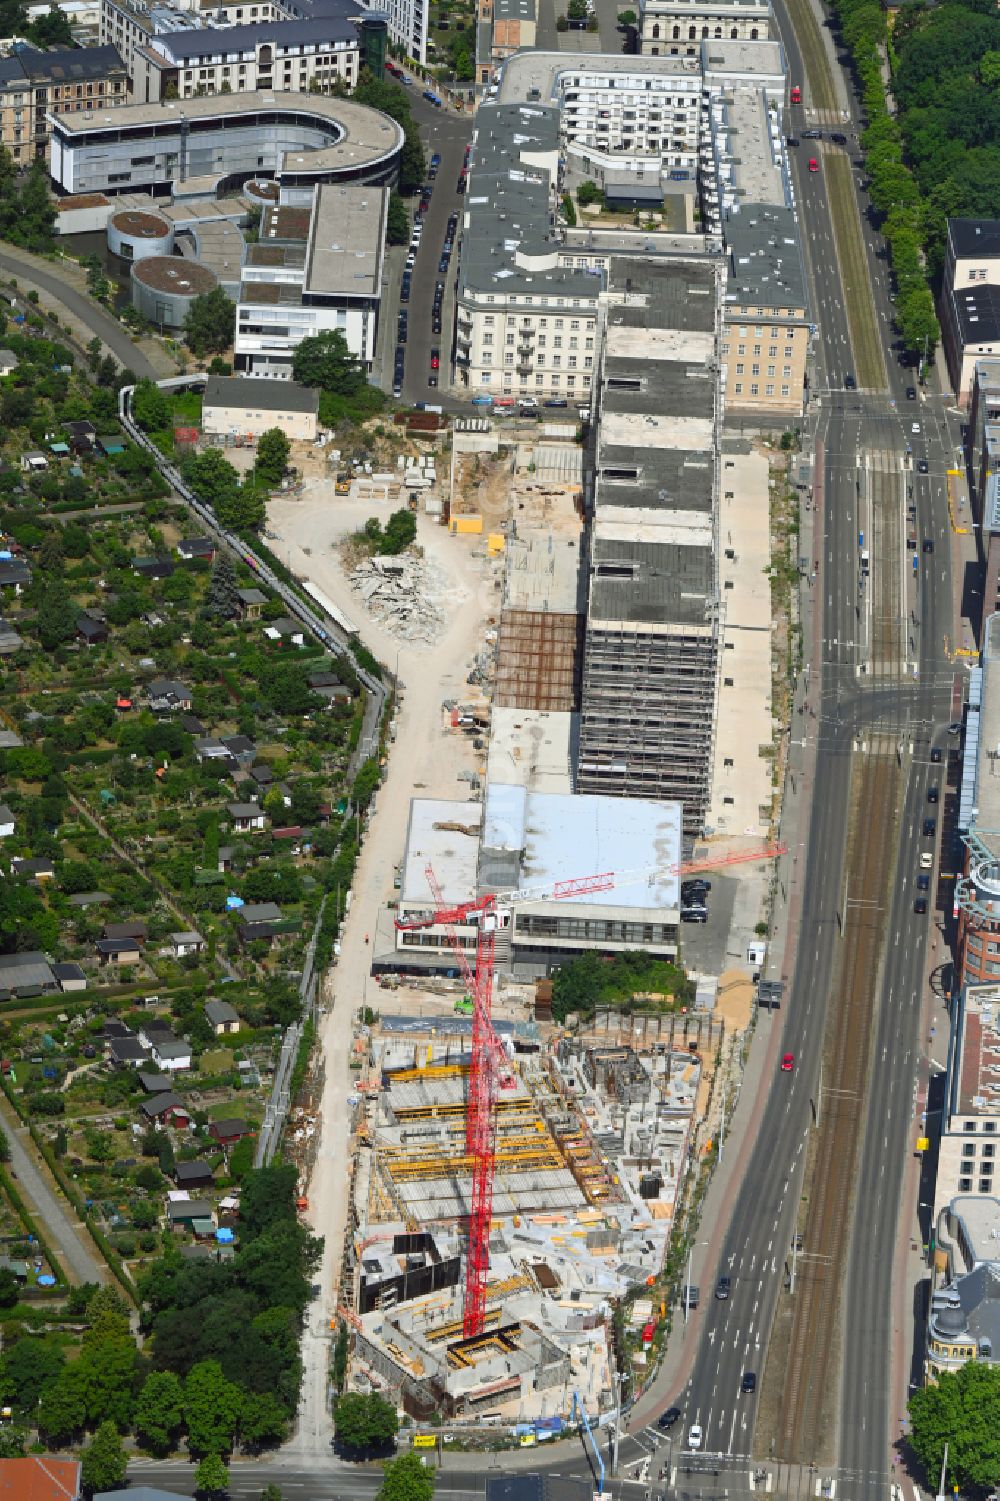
[[682, 1345]]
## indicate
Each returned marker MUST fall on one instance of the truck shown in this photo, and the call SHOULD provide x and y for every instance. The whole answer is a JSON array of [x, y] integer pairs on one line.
[[463, 1007], [343, 484]]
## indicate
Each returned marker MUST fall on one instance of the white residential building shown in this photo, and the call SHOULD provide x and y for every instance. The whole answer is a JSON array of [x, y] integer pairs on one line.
[[676, 28], [312, 271]]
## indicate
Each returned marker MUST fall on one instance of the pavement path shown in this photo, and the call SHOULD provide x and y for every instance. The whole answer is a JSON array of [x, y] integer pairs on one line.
[[69, 1239], [34, 271]]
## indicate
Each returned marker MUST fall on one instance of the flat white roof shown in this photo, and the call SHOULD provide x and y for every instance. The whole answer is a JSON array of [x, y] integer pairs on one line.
[[627, 342], [435, 836], [566, 835], [643, 430], [532, 747]]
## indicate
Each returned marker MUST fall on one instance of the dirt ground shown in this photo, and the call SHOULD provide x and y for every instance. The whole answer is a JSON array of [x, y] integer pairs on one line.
[[734, 1002]]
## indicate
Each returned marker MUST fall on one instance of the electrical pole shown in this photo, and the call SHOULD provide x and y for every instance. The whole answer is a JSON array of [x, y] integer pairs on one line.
[[944, 1470], [687, 1290]]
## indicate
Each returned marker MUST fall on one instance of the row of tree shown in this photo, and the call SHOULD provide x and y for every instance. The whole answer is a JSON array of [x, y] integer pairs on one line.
[[893, 189]]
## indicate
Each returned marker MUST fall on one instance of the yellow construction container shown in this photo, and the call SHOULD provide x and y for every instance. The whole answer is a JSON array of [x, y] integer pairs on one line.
[[466, 526], [495, 544]]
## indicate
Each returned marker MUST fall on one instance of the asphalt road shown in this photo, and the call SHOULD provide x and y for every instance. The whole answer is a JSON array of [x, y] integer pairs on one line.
[[109, 330], [445, 132], [735, 1333], [69, 1239]]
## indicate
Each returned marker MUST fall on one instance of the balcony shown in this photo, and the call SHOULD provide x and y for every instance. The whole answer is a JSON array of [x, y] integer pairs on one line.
[[523, 368]]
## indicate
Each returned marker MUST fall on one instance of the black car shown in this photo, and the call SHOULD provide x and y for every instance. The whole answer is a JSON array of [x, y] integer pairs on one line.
[[749, 1382], [920, 906], [723, 1288], [923, 881], [812, 135], [933, 793], [792, 141], [928, 544], [669, 1418], [694, 914], [838, 139], [404, 291], [923, 467], [436, 323], [930, 828], [935, 755], [911, 393], [555, 402], [696, 886], [850, 384], [443, 264], [438, 290]]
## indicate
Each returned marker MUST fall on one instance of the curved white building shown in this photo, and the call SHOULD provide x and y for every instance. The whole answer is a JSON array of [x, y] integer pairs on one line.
[[224, 140]]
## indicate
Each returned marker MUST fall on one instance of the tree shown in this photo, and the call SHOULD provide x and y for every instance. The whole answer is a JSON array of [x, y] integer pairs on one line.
[[211, 476], [150, 407], [10, 1290], [57, 615], [62, 1411], [364, 1422], [211, 1478], [36, 214], [223, 599], [263, 1421], [243, 510], [104, 1463], [271, 1492], [397, 225], [51, 30], [412, 159], [29, 1366], [211, 1409], [325, 360], [273, 449], [159, 1412], [406, 1479], [338, 1365], [588, 192], [962, 1411], [210, 323]]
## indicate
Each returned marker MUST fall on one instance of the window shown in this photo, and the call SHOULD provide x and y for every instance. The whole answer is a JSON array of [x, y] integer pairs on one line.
[[772, 352], [968, 1149], [756, 348], [739, 368], [985, 1185], [969, 1126], [768, 390], [786, 371], [739, 389], [989, 1125], [989, 1150], [754, 369], [965, 1185], [754, 390]]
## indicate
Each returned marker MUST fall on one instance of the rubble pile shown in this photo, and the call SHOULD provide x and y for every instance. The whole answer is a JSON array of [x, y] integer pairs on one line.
[[407, 595]]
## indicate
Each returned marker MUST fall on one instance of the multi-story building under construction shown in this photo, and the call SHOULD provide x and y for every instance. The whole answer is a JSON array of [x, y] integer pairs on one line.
[[651, 647]]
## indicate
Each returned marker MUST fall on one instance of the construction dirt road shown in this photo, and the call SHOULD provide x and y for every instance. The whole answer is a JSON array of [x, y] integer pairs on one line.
[[425, 762]]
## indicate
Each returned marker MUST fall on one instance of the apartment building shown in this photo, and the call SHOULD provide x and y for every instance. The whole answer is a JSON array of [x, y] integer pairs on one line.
[[701, 134], [291, 56], [676, 28], [970, 1116], [977, 891], [312, 270], [526, 324], [963, 1320], [766, 334], [969, 306], [650, 667], [35, 87], [186, 48]]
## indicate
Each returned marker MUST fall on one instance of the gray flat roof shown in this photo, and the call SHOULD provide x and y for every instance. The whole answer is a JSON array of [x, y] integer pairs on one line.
[[650, 582], [665, 479], [668, 294], [270, 395], [765, 257], [435, 836], [508, 207], [346, 239], [211, 41], [365, 135], [975, 236]]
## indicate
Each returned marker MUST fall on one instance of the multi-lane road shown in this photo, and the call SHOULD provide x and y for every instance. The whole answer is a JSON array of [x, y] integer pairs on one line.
[[869, 705]]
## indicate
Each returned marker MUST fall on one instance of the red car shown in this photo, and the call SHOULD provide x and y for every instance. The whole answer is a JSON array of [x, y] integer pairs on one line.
[[813, 164], [435, 359], [787, 1063], [796, 94]]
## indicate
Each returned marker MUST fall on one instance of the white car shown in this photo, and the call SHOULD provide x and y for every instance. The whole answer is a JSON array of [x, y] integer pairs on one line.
[[926, 860], [914, 427], [694, 1436]]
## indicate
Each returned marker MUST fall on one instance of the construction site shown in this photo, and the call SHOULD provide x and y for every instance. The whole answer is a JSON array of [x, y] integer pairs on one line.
[[590, 1144]]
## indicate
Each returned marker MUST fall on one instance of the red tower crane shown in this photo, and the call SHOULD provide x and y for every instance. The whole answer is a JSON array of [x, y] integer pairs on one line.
[[489, 1065]]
